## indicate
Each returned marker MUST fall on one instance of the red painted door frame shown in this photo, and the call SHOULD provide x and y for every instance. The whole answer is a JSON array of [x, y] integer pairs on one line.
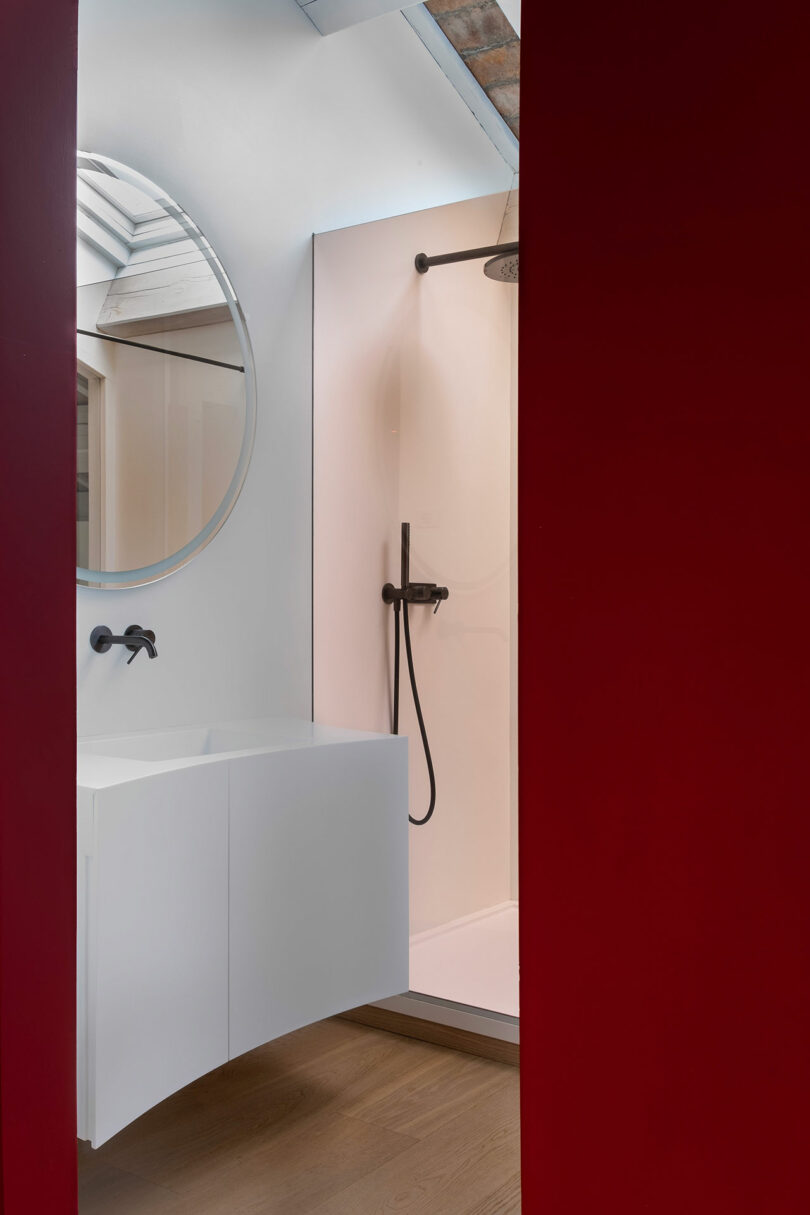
[[665, 608], [37, 512]]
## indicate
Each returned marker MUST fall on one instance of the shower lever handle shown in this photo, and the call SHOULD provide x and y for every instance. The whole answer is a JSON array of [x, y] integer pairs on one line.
[[441, 594]]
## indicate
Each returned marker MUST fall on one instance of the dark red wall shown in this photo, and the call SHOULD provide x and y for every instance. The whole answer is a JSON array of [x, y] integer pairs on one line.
[[665, 608], [37, 636]]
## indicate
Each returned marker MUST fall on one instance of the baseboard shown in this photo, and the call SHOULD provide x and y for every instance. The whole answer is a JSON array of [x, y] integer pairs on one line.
[[484, 1021], [439, 1035]]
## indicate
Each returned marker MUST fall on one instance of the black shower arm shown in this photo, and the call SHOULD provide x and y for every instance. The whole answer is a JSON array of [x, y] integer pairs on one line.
[[423, 262]]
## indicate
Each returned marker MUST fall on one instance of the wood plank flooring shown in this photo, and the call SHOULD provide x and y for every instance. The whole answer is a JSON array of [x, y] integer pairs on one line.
[[335, 1119]]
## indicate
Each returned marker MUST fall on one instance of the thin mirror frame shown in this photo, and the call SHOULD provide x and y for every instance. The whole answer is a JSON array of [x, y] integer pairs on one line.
[[126, 579]]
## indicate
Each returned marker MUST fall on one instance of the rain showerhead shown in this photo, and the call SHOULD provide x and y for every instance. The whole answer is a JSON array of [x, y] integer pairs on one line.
[[503, 269]]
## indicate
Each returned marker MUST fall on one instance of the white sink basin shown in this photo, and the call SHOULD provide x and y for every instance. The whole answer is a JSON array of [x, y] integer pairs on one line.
[[120, 757], [176, 744]]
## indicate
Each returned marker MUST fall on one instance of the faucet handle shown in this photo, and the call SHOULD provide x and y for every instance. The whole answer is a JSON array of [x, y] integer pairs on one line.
[[441, 593]]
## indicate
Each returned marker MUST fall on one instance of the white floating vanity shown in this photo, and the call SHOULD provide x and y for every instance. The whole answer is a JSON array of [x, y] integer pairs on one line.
[[236, 882]]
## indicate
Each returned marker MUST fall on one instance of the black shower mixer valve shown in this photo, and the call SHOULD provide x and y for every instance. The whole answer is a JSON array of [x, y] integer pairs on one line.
[[416, 592], [426, 592]]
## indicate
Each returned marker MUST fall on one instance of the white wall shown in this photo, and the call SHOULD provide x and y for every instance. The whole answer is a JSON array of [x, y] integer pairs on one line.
[[413, 412], [264, 132]]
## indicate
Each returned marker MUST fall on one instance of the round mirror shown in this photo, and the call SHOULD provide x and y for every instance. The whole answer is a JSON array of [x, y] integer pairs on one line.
[[165, 401]]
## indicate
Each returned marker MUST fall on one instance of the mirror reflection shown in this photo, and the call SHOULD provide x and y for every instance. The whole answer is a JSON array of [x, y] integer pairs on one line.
[[162, 411]]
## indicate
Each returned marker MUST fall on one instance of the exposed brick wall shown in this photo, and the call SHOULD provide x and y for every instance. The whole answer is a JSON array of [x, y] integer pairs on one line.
[[489, 46]]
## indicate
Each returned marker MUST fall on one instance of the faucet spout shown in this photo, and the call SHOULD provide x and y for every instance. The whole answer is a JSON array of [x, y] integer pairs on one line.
[[143, 639]]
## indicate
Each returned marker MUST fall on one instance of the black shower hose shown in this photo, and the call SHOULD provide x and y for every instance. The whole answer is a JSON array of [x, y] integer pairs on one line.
[[417, 822]]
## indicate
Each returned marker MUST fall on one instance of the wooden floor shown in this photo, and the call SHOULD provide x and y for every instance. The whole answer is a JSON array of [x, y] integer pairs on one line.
[[337, 1119]]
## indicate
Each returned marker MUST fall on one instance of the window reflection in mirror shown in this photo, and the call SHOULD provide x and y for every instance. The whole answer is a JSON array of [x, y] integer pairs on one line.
[[163, 425]]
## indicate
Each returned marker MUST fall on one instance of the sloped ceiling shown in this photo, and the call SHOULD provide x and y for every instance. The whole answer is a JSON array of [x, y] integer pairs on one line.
[[480, 32]]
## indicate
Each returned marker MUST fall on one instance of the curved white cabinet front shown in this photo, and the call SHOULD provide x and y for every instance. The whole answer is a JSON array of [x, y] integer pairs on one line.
[[228, 897]]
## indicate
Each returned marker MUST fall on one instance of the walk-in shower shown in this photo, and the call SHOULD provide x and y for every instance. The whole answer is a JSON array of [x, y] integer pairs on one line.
[[415, 407]]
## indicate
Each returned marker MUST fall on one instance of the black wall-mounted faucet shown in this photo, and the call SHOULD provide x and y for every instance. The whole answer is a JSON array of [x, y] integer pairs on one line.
[[135, 638]]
